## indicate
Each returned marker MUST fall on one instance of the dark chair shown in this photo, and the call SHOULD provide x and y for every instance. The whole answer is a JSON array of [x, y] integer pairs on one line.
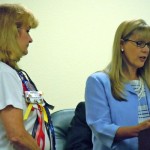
[[61, 121]]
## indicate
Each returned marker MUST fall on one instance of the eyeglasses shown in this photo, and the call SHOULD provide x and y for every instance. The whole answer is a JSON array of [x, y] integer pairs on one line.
[[140, 44]]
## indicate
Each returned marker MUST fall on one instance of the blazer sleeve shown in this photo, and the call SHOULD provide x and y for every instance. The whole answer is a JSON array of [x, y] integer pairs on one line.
[[98, 113]]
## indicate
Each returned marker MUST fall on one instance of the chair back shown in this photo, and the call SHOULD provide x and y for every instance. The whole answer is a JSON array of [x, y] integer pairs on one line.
[[61, 121]]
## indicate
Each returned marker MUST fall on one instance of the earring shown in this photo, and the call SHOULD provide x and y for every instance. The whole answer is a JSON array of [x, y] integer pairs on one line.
[[122, 49]]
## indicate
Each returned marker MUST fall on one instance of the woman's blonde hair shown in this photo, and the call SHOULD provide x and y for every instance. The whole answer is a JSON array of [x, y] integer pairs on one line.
[[117, 64], [13, 16]]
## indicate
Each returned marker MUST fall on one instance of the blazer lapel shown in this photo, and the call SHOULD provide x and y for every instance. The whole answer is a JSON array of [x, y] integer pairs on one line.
[[129, 88]]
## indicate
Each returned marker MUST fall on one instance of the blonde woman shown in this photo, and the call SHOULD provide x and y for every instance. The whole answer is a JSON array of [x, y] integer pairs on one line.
[[118, 98], [22, 125]]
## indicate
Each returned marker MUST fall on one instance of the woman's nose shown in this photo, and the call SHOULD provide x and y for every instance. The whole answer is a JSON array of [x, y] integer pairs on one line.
[[146, 48], [30, 39]]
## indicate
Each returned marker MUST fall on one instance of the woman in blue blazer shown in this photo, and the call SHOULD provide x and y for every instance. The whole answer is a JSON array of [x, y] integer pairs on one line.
[[118, 98]]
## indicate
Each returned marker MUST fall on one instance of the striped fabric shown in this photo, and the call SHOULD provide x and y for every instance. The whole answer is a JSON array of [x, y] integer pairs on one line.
[[143, 111]]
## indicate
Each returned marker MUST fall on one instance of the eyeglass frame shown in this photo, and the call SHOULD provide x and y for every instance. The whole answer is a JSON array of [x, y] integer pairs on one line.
[[138, 44]]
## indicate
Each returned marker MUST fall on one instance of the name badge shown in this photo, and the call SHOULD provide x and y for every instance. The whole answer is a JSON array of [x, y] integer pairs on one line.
[[34, 97]]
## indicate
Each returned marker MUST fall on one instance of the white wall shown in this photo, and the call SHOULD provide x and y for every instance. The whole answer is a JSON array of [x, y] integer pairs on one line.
[[73, 40]]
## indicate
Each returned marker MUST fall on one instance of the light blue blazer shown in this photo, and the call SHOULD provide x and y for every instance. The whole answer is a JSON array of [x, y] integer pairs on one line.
[[105, 114]]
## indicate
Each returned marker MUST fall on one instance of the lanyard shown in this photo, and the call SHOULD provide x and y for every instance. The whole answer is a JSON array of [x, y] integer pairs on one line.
[[28, 85]]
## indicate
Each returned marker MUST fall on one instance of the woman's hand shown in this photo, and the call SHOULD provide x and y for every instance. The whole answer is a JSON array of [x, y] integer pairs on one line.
[[144, 125]]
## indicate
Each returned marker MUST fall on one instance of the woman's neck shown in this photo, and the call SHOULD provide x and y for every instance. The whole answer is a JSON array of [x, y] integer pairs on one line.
[[131, 75]]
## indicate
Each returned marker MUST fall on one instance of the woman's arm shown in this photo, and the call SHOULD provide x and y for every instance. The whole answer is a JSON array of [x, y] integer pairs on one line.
[[12, 119], [131, 131]]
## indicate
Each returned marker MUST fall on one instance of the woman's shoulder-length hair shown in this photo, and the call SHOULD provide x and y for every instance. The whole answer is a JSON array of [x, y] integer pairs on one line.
[[12, 17]]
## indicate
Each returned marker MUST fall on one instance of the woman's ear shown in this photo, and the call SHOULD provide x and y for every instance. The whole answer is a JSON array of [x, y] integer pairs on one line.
[[121, 45], [121, 42]]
